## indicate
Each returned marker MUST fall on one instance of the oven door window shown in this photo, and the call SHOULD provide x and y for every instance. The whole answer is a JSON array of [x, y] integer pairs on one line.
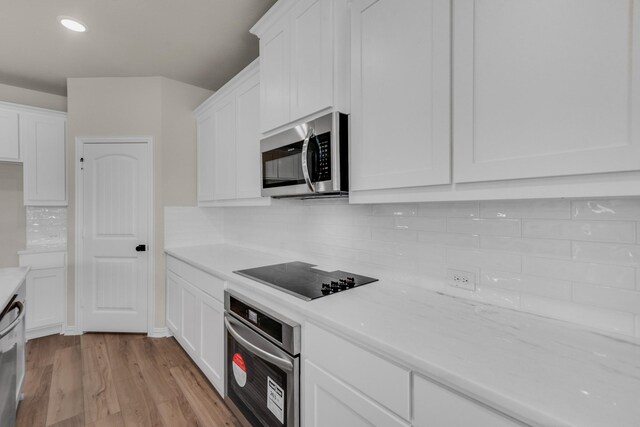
[[257, 387]]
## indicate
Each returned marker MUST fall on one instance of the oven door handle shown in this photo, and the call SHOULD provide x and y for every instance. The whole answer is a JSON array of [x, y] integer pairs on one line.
[[231, 326], [16, 321], [305, 165]]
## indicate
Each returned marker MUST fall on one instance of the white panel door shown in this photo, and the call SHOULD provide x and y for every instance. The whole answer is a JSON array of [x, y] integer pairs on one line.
[[45, 291], [174, 302], [9, 135], [312, 57], [205, 156], [44, 144], [211, 357], [545, 88], [274, 77], [224, 147], [400, 93], [435, 406], [328, 402], [116, 213], [248, 139]]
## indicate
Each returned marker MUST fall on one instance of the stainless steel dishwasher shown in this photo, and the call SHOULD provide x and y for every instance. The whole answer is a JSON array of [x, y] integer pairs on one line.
[[12, 336]]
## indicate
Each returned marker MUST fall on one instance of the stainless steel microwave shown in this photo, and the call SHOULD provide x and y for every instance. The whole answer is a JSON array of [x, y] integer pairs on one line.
[[308, 160]]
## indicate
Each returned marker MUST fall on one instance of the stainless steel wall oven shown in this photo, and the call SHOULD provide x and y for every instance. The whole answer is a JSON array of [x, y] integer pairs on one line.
[[262, 364]]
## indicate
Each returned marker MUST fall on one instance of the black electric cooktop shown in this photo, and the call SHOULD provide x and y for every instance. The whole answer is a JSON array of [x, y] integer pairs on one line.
[[303, 281]]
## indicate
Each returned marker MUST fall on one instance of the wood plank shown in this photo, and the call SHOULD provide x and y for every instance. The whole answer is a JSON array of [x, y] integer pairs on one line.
[[172, 415], [205, 404], [32, 410], [75, 421], [158, 381], [65, 396], [113, 420], [100, 399]]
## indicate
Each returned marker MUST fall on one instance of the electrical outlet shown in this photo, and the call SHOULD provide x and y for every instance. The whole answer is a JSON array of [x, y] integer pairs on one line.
[[462, 279]]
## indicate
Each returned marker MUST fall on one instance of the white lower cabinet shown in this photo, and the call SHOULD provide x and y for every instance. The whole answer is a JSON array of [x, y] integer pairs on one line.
[[330, 402], [434, 405], [46, 294], [195, 317]]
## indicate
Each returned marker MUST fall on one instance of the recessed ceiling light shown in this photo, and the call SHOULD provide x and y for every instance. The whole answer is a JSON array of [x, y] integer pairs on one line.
[[72, 24]]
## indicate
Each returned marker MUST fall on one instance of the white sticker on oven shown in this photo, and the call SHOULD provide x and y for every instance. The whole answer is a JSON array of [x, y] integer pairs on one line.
[[275, 399]]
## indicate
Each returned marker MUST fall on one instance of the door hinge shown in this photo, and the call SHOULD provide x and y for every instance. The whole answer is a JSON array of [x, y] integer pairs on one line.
[[81, 163]]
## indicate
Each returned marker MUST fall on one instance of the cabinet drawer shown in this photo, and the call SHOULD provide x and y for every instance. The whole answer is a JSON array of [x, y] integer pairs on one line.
[[38, 261], [383, 381], [434, 405], [206, 282]]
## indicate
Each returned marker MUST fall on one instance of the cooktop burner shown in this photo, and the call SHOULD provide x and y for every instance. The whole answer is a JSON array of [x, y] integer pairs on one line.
[[303, 281]]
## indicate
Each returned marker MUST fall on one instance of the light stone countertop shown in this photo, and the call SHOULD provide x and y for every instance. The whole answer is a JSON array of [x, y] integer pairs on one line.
[[541, 371], [10, 280]]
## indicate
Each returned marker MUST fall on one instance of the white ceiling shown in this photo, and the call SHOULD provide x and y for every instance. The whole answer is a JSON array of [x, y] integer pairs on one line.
[[201, 42]]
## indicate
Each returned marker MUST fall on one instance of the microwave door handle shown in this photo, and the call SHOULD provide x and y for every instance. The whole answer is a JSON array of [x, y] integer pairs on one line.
[[305, 166], [263, 354]]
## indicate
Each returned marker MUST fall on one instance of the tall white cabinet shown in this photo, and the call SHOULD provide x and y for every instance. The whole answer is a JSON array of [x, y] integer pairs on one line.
[[545, 88], [400, 96], [303, 60], [36, 138], [229, 161]]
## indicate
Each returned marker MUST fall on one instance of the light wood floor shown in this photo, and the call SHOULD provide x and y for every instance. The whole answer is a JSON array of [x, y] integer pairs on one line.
[[116, 380]]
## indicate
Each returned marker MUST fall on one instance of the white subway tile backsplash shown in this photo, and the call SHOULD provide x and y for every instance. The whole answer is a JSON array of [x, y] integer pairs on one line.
[[559, 248], [421, 223], [551, 288], [484, 259], [560, 209], [607, 297], [615, 209], [597, 231], [187, 226], [528, 255], [609, 320], [450, 209], [602, 274], [395, 210], [637, 326], [46, 226], [612, 253], [489, 227], [449, 239]]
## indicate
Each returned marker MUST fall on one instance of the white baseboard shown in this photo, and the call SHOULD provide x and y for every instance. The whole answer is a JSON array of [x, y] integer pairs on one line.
[[43, 331], [71, 330], [159, 333]]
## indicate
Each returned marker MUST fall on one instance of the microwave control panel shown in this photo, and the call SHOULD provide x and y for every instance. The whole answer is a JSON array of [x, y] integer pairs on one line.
[[324, 157]]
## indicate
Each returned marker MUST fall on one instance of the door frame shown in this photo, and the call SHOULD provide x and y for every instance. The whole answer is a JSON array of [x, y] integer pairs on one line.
[[79, 226]]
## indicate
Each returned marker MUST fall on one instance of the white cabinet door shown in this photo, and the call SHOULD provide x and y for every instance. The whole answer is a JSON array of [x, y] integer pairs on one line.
[[328, 402], [274, 77], [400, 93], [43, 141], [435, 406], [224, 143], [191, 323], [211, 357], [45, 293], [312, 57], [248, 139], [174, 302], [205, 156], [545, 88], [9, 135]]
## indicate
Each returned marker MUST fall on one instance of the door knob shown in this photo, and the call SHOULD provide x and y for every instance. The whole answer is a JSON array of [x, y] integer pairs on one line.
[[141, 248]]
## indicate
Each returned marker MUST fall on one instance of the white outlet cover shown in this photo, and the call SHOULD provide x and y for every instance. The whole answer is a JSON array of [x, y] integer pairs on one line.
[[456, 278]]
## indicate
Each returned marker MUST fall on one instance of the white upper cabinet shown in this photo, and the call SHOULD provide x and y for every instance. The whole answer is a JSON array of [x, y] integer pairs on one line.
[[229, 143], [9, 135], [274, 77], [303, 60], [400, 93], [43, 142], [545, 88], [224, 149]]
